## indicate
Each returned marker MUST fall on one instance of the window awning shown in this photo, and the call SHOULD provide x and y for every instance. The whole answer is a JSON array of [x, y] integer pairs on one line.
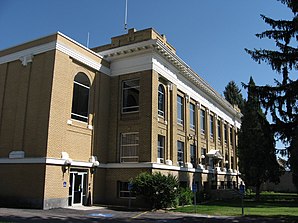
[[214, 153]]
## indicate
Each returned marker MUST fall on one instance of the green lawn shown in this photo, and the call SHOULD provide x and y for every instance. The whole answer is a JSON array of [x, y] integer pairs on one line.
[[270, 205]]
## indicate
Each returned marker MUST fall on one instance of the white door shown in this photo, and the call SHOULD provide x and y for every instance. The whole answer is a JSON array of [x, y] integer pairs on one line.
[[77, 188]]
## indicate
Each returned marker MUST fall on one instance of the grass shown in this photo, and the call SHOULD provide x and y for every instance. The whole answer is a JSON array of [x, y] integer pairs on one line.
[[270, 205]]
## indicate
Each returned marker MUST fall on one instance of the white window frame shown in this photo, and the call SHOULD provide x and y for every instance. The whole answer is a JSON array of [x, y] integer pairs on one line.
[[134, 108], [161, 112], [135, 154], [203, 121], [180, 120], [192, 111], [161, 147]]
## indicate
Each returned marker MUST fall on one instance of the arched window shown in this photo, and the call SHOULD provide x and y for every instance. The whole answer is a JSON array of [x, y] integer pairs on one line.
[[80, 100], [161, 100]]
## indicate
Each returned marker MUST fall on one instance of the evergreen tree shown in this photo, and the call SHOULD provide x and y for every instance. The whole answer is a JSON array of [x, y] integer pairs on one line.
[[256, 145], [233, 94], [281, 99]]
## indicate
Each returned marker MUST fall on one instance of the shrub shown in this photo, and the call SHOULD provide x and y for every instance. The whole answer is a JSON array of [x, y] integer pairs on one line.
[[185, 196], [158, 189]]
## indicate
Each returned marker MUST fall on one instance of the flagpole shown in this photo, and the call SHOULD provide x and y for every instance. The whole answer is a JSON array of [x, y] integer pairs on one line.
[[125, 17]]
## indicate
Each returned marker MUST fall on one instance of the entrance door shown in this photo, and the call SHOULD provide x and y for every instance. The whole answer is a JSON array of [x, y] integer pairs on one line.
[[77, 188]]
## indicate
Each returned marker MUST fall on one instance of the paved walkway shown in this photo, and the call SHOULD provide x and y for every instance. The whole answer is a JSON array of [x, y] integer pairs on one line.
[[119, 215]]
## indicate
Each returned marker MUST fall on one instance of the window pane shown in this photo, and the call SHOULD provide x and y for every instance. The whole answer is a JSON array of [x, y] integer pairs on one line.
[[218, 130], [192, 116], [131, 90], [193, 155], [202, 121], [123, 190], [161, 100], [160, 146], [180, 152], [180, 110], [129, 147], [211, 126], [203, 155], [226, 133], [80, 98]]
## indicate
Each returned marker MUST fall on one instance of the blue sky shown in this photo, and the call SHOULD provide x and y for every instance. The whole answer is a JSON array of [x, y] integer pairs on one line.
[[210, 36]]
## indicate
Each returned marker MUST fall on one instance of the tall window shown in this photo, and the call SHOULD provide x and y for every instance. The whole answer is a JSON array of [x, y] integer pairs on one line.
[[218, 130], [203, 155], [203, 121], [129, 147], [226, 133], [193, 155], [130, 96], [161, 100], [161, 148], [211, 126], [80, 100], [192, 115], [180, 110], [231, 135], [180, 152]]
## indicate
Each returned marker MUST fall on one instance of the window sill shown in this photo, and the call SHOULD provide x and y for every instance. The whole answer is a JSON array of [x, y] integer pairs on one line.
[[78, 124]]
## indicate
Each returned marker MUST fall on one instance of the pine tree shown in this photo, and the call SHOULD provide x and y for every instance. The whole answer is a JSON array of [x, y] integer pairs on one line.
[[281, 100], [256, 145], [233, 94]]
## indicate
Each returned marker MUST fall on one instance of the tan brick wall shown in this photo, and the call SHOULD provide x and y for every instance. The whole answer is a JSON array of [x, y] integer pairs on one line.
[[74, 139], [134, 122], [22, 185], [25, 98]]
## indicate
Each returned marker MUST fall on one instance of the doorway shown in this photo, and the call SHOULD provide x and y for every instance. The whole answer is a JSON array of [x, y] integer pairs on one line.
[[77, 188]]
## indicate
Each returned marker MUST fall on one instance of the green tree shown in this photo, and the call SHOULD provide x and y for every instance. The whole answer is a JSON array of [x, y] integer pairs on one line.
[[233, 94], [158, 189], [256, 145], [281, 100]]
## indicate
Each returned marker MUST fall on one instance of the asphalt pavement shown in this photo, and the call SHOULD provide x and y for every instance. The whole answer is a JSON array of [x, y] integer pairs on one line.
[[119, 215]]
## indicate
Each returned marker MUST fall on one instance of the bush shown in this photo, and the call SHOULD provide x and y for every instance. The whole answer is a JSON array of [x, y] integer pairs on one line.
[[158, 189], [185, 196]]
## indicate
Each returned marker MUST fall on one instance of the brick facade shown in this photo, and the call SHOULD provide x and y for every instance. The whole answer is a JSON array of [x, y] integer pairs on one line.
[[43, 141]]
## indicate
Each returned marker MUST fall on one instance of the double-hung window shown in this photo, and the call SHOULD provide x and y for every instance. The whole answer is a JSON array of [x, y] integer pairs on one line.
[[211, 126], [192, 116], [130, 95], [80, 98], [226, 133], [160, 148], [231, 135], [180, 110], [203, 155], [218, 130], [180, 153], [193, 155], [161, 100], [203, 121], [129, 148]]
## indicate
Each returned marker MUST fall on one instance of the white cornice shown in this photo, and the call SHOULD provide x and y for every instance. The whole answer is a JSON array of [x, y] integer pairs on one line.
[[68, 50], [30, 51], [128, 59]]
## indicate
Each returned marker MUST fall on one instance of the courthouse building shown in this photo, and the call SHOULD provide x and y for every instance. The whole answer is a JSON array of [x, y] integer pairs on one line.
[[76, 124]]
